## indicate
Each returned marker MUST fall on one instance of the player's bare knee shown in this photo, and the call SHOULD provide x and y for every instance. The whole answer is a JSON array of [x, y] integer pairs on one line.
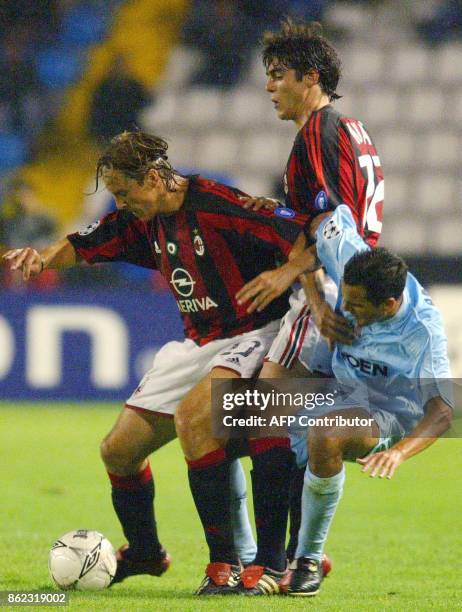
[[325, 460], [117, 459], [108, 453], [324, 442]]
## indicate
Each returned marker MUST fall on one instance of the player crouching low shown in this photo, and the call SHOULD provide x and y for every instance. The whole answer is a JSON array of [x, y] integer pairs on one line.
[[398, 370]]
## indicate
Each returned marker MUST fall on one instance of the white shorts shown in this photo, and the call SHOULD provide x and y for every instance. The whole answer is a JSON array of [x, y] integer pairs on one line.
[[299, 338], [178, 366]]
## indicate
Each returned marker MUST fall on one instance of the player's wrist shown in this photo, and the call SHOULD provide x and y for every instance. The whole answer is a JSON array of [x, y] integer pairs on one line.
[[295, 266], [400, 447]]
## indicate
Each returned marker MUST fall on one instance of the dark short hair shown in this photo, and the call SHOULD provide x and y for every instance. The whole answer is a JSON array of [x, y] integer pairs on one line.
[[301, 46], [133, 154], [380, 272]]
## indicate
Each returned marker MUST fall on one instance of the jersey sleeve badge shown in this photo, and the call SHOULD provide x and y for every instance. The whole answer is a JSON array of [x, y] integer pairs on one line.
[[285, 213], [321, 202]]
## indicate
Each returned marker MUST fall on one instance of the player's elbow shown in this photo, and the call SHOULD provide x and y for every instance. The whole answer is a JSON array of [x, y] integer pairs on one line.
[[445, 418], [442, 416]]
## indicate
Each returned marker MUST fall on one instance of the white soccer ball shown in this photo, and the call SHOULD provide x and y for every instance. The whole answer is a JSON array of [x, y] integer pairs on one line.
[[82, 559]]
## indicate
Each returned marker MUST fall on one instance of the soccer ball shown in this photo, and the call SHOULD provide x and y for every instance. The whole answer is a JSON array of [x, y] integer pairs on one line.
[[82, 559]]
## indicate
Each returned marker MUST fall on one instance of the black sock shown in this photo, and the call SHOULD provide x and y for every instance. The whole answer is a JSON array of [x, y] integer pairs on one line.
[[133, 499], [270, 487], [210, 488], [295, 508]]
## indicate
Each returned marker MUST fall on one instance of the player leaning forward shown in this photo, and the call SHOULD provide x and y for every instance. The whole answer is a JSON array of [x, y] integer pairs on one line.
[[199, 237], [398, 362]]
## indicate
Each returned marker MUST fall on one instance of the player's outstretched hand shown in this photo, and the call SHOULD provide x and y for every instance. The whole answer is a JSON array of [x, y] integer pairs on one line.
[[27, 259], [385, 462], [266, 287], [333, 327], [257, 203]]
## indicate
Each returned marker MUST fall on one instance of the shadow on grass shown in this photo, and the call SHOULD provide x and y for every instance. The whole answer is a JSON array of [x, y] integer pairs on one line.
[[137, 593]]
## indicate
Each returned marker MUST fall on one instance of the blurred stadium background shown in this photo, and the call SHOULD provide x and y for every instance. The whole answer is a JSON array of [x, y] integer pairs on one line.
[[75, 72]]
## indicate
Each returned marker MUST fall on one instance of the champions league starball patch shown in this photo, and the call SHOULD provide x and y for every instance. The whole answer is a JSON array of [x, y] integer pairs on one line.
[[89, 229], [330, 230], [321, 202], [285, 213]]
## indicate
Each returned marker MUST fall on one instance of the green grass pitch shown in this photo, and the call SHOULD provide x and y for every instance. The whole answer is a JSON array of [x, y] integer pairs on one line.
[[395, 545]]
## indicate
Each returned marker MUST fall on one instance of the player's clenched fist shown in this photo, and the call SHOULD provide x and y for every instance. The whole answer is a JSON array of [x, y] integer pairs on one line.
[[27, 259], [333, 327]]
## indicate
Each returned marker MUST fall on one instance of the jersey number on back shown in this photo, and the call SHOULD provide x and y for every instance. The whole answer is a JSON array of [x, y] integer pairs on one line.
[[375, 193]]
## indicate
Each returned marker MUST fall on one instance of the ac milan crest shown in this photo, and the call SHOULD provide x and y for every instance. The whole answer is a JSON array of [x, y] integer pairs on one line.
[[199, 245]]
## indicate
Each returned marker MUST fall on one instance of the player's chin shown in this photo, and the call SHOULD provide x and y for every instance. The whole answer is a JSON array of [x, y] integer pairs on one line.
[[282, 114], [139, 214]]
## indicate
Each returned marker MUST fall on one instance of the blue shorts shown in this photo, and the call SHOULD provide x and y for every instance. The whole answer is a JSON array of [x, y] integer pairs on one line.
[[391, 431]]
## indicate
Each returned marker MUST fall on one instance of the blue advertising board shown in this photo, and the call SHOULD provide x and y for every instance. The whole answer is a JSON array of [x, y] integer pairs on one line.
[[83, 344]]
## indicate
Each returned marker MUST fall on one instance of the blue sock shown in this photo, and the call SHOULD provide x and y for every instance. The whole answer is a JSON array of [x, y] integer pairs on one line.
[[244, 542], [319, 502]]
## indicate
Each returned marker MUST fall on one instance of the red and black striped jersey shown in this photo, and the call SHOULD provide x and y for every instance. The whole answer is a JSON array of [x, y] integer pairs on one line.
[[334, 161], [206, 251]]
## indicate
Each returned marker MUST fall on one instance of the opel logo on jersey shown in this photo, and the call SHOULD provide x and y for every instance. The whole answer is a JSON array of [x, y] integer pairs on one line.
[[182, 281], [285, 213], [320, 201], [172, 248], [199, 245]]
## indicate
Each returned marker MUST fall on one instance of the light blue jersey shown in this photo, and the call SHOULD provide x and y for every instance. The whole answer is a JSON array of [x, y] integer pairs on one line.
[[402, 359], [392, 369]]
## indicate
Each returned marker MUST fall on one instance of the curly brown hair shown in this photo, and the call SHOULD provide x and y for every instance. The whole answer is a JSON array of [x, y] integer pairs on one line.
[[300, 46], [133, 154]]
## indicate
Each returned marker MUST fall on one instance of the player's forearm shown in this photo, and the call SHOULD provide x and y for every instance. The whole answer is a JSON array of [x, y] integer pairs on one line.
[[301, 261], [59, 255], [435, 423], [312, 284]]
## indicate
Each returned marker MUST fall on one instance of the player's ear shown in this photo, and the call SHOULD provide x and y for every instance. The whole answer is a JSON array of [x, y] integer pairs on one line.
[[389, 305], [311, 78], [152, 178]]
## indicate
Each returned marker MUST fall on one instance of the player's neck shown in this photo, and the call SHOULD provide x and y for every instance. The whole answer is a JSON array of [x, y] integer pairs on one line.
[[314, 102]]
